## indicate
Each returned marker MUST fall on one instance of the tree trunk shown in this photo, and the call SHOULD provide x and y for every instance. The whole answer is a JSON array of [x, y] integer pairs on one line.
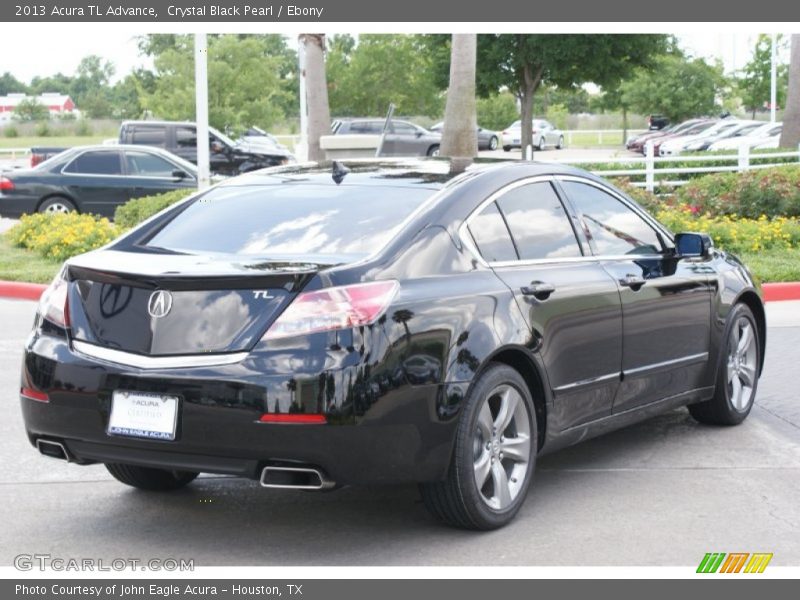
[[319, 114], [790, 137], [460, 134], [624, 124], [531, 80]]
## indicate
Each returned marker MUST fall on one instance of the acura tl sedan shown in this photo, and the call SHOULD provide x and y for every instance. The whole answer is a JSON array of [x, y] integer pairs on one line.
[[324, 325], [93, 179]]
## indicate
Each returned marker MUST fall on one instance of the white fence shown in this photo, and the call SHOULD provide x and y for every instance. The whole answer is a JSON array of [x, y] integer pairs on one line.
[[656, 174]]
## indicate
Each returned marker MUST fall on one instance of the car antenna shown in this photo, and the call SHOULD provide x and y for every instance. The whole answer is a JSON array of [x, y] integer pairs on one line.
[[339, 171]]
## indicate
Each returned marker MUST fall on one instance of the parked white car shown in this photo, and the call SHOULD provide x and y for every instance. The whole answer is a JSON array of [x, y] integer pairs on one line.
[[544, 134], [678, 145], [762, 134], [769, 143]]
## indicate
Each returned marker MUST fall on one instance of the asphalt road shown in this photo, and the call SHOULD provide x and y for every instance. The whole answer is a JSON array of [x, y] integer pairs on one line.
[[664, 492]]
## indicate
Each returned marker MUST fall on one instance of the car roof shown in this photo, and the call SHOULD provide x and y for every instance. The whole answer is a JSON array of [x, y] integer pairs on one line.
[[159, 123], [433, 173]]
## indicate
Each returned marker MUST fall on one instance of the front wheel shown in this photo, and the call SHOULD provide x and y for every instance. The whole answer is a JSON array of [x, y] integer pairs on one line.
[[560, 144], [493, 143], [737, 377], [146, 478], [541, 144], [494, 456], [506, 148]]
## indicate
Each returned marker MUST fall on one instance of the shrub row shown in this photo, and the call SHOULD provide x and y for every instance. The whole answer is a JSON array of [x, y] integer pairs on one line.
[[135, 211], [60, 236]]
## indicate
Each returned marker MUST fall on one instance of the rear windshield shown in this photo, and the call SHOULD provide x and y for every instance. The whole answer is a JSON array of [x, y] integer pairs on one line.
[[291, 219]]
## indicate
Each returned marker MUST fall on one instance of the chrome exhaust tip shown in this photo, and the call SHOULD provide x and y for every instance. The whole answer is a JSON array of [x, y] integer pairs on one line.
[[295, 478], [52, 449]]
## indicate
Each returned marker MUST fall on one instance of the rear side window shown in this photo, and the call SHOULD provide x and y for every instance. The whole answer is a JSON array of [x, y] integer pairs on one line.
[[149, 136], [490, 233], [366, 127], [186, 137], [291, 219], [612, 228], [96, 163], [148, 165], [538, 222]]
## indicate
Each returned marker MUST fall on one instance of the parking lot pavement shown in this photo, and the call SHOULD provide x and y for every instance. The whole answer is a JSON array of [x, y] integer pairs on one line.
[[6, 224], [663, 492]]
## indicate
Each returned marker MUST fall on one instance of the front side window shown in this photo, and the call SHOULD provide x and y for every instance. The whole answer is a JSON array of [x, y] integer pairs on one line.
[[538, 222], [612, 227], [96, 163], [491, 236], [148, 165], [186, 137]]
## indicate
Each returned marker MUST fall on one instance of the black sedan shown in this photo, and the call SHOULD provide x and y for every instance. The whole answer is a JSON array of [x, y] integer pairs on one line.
[[93, 179], [317, 326]]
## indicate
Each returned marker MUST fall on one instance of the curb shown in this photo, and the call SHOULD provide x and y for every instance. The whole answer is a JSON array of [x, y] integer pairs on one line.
[[773, 292], [21, 290]]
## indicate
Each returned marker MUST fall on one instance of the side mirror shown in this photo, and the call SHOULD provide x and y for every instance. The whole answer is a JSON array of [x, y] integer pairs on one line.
[[688, 245], [179, 174], [419, 133]]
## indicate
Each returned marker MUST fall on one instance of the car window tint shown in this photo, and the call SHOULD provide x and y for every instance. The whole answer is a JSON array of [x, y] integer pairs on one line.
[[96, 163], [612, 228], [148, 165], [186, 137], [150, 136], [539, 224], [290, 220], [404, 128], [491, 236]]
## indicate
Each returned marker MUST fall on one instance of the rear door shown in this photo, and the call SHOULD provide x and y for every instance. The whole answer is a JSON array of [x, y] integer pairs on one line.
[[666, 303], [95, 180], [570, 303]]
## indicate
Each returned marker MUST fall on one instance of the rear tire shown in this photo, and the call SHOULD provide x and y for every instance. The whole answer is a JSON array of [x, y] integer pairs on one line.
[[560, 143], [146, 478], [542, 144], [506, 148], [433, 150], [493, 143], [57, 204], [496, 445], [737, 373]]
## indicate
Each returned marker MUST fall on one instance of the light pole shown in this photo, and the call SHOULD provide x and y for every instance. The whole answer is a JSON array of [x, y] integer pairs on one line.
[[773, 84], [201, 109]]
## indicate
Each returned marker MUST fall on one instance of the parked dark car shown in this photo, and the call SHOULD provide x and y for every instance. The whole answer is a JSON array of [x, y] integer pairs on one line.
[[403, 138], [637, 143], [655, 122], [371, 322], [226, 156], [93, 179], [487, 139]]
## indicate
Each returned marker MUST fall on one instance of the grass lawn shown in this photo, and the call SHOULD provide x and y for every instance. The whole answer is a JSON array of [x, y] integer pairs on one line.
[[17, 264], [774, 265], [51, 141]]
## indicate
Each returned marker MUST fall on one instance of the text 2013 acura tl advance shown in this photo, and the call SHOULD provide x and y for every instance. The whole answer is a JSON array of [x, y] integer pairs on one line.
[[318, 326]]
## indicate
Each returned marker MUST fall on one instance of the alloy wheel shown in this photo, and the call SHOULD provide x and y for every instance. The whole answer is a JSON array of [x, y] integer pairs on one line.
[[57, 207], [501, 447], [741, 366]]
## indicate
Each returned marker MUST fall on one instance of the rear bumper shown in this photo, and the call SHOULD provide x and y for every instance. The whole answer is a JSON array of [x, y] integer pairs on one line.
[[387, 434]]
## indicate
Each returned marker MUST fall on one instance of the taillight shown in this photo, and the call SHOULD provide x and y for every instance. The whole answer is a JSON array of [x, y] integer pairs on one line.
[[54, 304], [334, 308], [6, 184], [32, 394]]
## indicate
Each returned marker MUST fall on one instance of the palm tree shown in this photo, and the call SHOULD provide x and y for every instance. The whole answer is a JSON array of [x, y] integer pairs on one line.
[[790, 137], [319, 114], [460, 135]]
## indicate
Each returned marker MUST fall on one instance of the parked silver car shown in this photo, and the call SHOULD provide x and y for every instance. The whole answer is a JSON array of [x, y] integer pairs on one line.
[[545, 135], [487, 139], [402, 137]]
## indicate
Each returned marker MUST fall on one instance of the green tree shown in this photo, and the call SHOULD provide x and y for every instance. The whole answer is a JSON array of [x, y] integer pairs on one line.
[[677, 87], [364, 78], [58, 83], [522, 63], [11, 85], [29, 109], [754, 83], [498, 111], [245, 83], [90, 88]]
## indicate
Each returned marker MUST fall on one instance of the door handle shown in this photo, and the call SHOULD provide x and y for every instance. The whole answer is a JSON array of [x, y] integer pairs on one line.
[[632, 281], [538, 289]]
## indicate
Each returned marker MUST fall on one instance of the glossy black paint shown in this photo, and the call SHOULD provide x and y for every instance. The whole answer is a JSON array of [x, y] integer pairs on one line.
[[600, 351], [89, 193]]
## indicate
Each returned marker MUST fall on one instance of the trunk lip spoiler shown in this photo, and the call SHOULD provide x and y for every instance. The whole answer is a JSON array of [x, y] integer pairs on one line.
[[156, 362]]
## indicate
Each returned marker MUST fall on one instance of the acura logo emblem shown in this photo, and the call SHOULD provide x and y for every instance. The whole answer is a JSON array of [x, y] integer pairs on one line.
[[159, 304]]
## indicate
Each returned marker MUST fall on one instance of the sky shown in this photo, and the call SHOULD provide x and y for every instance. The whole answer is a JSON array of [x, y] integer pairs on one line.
[[64, 50]]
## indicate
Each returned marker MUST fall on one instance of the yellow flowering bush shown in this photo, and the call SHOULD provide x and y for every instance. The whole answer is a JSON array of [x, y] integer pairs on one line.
[[60, 236], [735, 233]]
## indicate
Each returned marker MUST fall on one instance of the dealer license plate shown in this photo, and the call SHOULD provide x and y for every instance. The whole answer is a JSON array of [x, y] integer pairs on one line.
[[138, 414]]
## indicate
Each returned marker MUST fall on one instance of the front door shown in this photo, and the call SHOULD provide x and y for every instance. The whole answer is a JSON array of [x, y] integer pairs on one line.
[[666, 302]]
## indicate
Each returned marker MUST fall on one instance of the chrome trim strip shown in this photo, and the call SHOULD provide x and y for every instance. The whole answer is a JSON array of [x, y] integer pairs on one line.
[[585, 382], [156, 362], [692, 358]]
